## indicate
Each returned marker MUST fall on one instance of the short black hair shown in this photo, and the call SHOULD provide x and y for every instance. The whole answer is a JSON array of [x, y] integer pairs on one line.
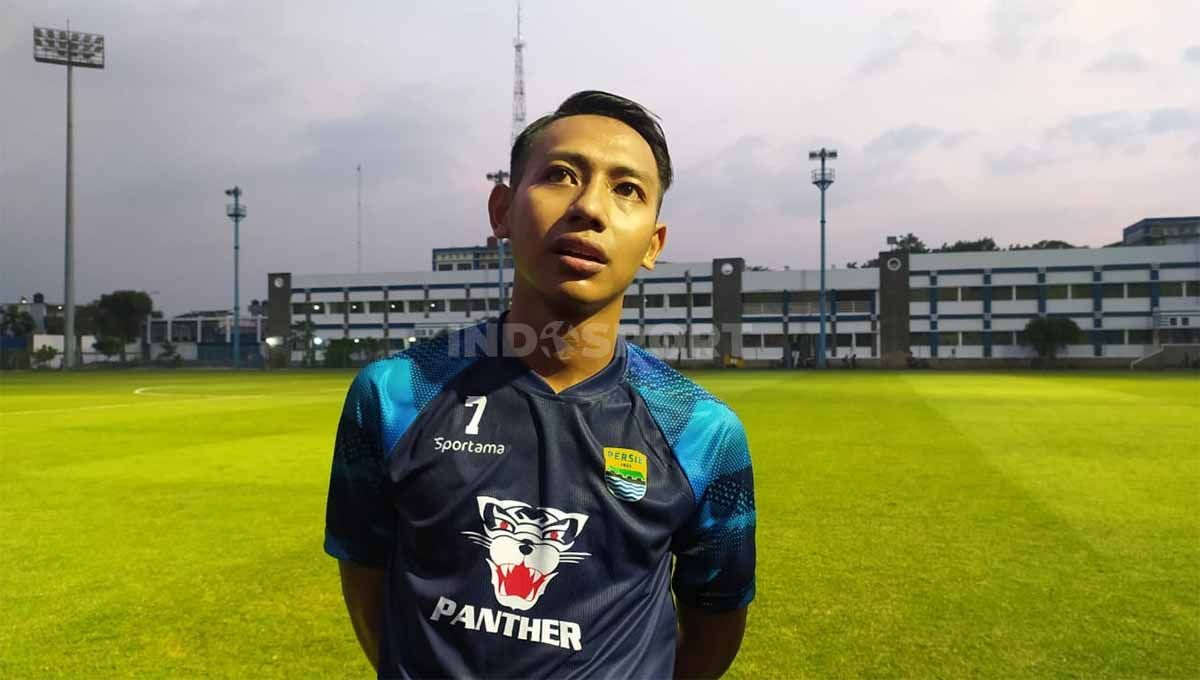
[[597, 103]]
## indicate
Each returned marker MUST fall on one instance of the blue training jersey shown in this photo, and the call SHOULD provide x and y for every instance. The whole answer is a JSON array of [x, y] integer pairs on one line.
[[530, 534]]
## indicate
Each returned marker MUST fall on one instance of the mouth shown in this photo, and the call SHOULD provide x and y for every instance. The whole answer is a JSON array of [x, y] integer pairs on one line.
[[580, 256], [519, 580]]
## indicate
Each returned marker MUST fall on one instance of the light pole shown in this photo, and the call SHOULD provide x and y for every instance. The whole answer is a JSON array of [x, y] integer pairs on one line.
[[236, 211], [823, 178], [500, 177], [70, 49]]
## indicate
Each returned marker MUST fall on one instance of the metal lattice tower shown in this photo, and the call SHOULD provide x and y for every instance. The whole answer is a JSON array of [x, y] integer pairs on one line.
[[518, 109]]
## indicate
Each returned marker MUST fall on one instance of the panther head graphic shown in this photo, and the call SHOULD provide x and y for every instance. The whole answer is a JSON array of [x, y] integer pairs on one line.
[[525, 545]]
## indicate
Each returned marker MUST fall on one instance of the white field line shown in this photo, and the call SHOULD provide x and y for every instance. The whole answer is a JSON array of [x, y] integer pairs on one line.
[[175, 400]]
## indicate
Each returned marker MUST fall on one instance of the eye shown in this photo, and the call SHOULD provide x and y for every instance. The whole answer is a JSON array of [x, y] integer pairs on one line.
[[553, 535], [558, 174], [503, 526], [629, 190]]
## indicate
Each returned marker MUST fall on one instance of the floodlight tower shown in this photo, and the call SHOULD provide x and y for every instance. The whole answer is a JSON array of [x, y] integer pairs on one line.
[[236, 211], [499, 177], [518, 112], [822, 178], [358, 215], [70, 49]]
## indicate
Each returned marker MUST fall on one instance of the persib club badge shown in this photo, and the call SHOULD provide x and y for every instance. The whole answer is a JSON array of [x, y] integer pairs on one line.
[[625, 473]]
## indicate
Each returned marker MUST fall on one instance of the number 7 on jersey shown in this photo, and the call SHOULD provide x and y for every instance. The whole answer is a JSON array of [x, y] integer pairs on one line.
[[480, 403]]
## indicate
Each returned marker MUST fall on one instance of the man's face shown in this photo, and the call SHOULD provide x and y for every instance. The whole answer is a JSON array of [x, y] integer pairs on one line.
[[584, 217]]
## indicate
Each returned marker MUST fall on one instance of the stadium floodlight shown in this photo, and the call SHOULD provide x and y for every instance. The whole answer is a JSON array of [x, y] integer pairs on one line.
[[499, 177], [85, 50], [274, 341], [411, 340], [318, 341], [236, 211], [822, 178]]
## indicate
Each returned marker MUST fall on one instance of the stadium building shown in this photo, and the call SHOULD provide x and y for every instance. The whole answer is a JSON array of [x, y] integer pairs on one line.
[[968, 307]]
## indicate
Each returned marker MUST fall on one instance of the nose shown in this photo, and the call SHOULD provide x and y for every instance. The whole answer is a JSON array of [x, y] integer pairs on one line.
[[525, 548], [588, 207]]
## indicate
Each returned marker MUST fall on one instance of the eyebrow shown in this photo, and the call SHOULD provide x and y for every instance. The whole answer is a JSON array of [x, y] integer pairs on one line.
[[576, 158]]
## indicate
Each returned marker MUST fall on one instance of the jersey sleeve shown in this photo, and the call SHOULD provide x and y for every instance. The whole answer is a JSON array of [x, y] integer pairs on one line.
[[714, 552], [360, 520]]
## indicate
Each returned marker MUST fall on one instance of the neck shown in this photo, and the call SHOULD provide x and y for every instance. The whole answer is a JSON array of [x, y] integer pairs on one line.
[[572, 345]]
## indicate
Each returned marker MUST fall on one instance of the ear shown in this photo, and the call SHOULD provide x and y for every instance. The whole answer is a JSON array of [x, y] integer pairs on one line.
[[658, 240], [498, 203]]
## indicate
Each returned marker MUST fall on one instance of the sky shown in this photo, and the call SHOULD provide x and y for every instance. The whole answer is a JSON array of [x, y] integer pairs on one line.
[[1016, 119]]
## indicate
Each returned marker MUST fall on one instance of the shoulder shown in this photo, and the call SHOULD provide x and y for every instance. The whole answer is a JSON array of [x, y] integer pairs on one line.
[[704, 433], [388, 394]]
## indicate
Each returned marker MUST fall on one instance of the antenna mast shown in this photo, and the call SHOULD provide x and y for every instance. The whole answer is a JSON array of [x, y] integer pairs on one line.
[[518, 109], [358, 216]]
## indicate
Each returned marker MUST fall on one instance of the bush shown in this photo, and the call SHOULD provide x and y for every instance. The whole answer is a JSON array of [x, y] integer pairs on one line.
[[44, 355]]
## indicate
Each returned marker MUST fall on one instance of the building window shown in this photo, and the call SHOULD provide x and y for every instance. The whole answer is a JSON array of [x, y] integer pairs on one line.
[[1057, 291], [464, 266], [445, 267], [1141, 337], [702, 299], [655, 301], [752, 341], [376, 306], [458, 305], [862, 339], [1002, 293], [436, 305], [1137, 290], [844, 339], [337, 307], [918, 295], [972, 338], [356, 307], [773, 340], [416, 306], [1112, 337], [1027, 292], [632, 302], [1081, 291], [300, 308], [479, 304], [972, 293], [1002, 337], [396, 306], [702, 340], [677, 300], [1193, 289], [947, 294], [1170, 289], [1112, 290], [948, 339], [919, 339]]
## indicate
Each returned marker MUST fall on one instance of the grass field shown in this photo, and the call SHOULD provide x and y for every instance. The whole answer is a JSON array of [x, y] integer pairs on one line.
[[949, 525]]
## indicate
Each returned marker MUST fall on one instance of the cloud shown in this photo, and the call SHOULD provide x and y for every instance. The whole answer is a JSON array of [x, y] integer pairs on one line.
[[1192, 54], [1014, 24], [1119, 63], [912, 138], [891, 55], [1172, 120], [1107, 131], [1019, 160]]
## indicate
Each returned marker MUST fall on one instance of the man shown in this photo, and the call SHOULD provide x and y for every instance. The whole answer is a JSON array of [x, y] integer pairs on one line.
[[506, 501]]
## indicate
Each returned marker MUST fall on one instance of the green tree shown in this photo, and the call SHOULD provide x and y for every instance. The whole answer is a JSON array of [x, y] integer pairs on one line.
[[108, 346], [983, 245], [1048, 334], [44, 355], [1043, 245], [121, 313]]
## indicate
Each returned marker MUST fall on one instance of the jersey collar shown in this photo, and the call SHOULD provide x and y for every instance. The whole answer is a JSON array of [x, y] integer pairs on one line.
[[528, 380]]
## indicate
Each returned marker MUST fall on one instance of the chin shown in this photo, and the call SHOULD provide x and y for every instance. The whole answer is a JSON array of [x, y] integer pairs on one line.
[[582, 294]]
